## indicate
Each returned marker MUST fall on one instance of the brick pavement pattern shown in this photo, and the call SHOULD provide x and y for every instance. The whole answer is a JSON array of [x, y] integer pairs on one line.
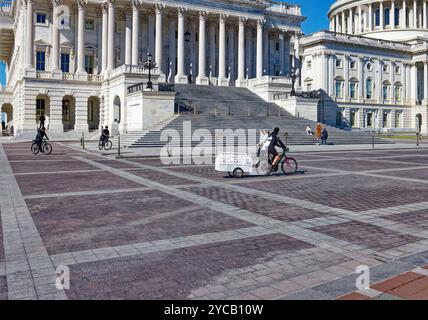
[[138, 229]]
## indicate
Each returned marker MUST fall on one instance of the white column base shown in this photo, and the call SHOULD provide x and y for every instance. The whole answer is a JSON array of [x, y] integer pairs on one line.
[[223, 82], [81, 75], [241, 83], [181, 79], [81, 127], [56, 74], [56, 127], [203, 81]]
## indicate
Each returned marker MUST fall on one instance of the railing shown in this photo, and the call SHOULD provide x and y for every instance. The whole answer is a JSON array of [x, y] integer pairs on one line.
[[95, 77], [43, 75], [136, 87], [67, 76], [278, 7]]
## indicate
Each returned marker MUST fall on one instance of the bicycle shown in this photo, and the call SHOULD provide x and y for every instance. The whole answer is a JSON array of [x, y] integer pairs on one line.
[[105, 144], [288, 165], [46, 147]]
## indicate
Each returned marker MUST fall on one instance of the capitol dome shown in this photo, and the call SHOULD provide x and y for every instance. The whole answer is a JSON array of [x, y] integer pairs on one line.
[[396, 20]]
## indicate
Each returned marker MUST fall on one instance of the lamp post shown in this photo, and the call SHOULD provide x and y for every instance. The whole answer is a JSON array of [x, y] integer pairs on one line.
[[150, 65], [293, 81]]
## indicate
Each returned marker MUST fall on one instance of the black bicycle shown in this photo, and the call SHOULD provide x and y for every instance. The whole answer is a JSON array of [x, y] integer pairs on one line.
[[288, 165], [45, 148], [105, 144]]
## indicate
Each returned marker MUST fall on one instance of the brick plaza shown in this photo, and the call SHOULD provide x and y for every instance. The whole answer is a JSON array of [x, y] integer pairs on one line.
[[135, 229]]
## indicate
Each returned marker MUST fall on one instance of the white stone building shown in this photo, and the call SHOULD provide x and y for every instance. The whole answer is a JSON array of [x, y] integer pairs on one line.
[[372, 65], [74, 60]]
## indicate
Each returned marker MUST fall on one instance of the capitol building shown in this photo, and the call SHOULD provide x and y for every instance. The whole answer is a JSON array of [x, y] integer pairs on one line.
[[84, 63]]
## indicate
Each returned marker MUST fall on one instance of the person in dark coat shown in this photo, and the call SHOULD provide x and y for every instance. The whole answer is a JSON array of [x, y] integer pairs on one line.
[[42, 120], [324, 136]]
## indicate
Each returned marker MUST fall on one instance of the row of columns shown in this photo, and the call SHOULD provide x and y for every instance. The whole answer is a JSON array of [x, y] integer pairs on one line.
[[351, 20], [132, 34]]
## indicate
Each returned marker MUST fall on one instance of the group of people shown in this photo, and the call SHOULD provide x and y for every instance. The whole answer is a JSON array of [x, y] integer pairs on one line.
[[320, 133]]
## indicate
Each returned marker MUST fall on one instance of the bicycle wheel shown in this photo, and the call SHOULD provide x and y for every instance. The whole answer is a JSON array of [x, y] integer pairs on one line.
[[108, 145], [35, 148], [289, 166], [47, 148], [100, 145]]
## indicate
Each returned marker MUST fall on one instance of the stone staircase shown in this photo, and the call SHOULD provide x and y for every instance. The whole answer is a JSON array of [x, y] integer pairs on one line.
[[233, 108]]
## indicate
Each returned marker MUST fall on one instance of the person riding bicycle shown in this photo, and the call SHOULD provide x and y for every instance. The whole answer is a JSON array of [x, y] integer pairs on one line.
[[272, 148], [105, 135], [41, 134]]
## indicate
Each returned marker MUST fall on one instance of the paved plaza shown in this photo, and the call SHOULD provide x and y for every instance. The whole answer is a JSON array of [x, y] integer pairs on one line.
[[135, 229]]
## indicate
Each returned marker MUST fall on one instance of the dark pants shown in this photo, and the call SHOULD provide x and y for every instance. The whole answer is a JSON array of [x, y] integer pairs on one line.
[[39, 143], [42, 124], [324, 141]]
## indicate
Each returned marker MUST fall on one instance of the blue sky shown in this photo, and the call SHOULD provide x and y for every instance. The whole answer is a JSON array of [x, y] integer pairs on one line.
[[316, 11]]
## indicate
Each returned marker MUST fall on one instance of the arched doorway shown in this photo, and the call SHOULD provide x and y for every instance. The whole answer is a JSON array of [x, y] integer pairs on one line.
[[68, 112], [43, 108], [93, 113], [419, 122], [6, 119]]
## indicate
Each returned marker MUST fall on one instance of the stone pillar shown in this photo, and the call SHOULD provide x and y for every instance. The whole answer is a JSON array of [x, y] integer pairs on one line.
[[350, 28], [424, 18], [240, 82], [382, 15], [56, 71], [414, 83], [135, 33], [81, 122], [360, 19], [415, 14], [425, 82], [202, 78], [361, 81], [404, 15], [282, 53], [343, 22], [392, 15], [249, 53], [128, 39], [380, 79], [324, 72], [222, 79], [172, 47], [81, 73], [159, 38], [404, 81], [104, 55], [29, 46], [330, 74], [346, 75], [370, 17], [181, 76], [287, 53], [259, 68], [111, 31], [212, 51], [296, 59]]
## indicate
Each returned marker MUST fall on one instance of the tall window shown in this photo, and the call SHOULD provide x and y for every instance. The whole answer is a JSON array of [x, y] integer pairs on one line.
[[385, 91], [369, 89], [377, 18], [398, 121], [386, 119], [40, 61], [89, 64], [387, 17], [397, 16], [66, 110], [370, 122], [339, 88], [398, 89], [65, 62], [353, 118], [90, 24], [353, 89]]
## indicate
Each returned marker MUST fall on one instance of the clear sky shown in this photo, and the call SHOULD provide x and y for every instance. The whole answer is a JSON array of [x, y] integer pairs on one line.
[[314, 10]]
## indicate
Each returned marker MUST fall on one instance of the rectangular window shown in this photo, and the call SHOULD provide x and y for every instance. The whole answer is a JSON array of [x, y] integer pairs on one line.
[[369, 120], [339, 91], [338, 63], [387, 17], [385, 68], [40, 61], [66, 110], [90, 24], [386, 119], [377, 18], [41, 18], [385, 92], [353, 119], [89, 64], [309, 64], [397, 70], [352, 90], [398, 93], [398, 116], [65, 62], [353, 65]]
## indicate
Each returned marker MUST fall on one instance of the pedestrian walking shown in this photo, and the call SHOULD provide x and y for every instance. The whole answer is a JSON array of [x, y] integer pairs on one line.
[[324, 137], [318, 132]]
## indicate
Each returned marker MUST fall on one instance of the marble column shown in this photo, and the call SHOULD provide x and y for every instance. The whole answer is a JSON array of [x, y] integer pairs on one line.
[[259, 65], [202, 78], [135, 33], [249, 53], [181, 76], [404, 15], [361, 80], [172, 47], [415, 14], [282, 53], [350, 22], [382, 15], [424, 18], [159, 39], [128, 39], [151, 32], [425, 82], [81, 73], [392, 15], [360, 19], [343, 22], [55, 66], [29, 46], [212, 51], [104, 54], [111, 31], [222, 79], [265, 51], [240, 82], [370, 17]]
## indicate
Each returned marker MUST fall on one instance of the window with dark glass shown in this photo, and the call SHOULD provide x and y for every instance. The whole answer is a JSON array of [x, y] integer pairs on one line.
[[65, 62], [41, 18], [40, 61], [89, 64]]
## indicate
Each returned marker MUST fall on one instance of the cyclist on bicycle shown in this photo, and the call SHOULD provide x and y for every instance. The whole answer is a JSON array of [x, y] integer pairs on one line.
[[41, 134], [275, 142], [105, 135]]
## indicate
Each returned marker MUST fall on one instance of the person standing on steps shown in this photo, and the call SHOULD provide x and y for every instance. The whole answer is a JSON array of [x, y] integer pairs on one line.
[[318, 131], [324, 137]]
